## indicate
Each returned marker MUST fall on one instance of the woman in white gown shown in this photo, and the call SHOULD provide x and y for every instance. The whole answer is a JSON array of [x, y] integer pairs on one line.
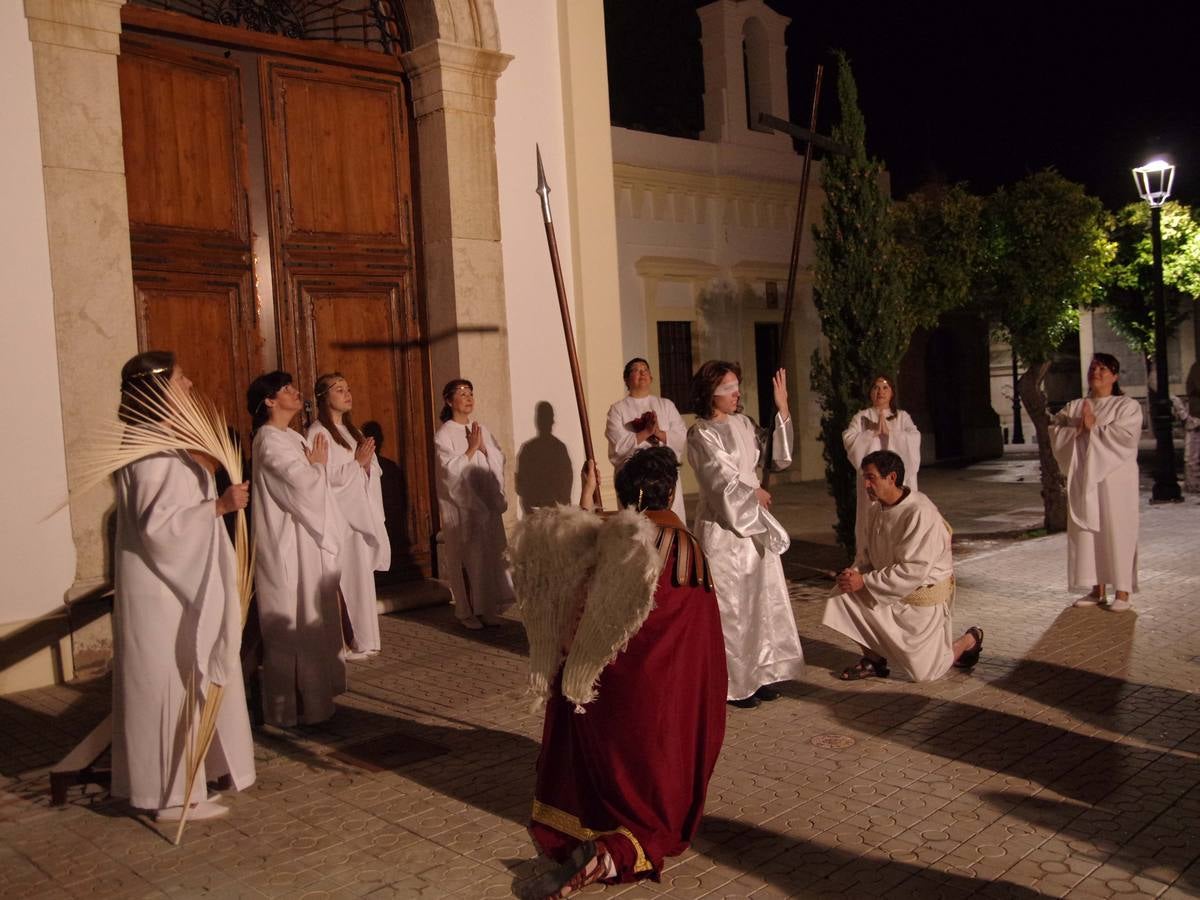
[[354, 474], [1095, 441], [176, 618], [471, 504], [640, 420], [881, 426], [297, 529], [742, 541]]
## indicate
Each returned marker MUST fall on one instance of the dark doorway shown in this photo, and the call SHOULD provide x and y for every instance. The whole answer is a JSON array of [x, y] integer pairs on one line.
[[766, 362]]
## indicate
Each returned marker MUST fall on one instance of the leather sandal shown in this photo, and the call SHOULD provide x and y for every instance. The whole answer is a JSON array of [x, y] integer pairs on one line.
[[969, 658], [866, 668]]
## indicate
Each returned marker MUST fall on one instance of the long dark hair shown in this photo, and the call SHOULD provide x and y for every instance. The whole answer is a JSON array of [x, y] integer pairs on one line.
[[447, 392], [325, 414], [1113, 365], [705, 382], [262, 389], [144, 380], [647, 480]]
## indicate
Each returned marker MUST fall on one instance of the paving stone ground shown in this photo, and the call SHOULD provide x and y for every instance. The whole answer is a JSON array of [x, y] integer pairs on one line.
[[1066, 764]]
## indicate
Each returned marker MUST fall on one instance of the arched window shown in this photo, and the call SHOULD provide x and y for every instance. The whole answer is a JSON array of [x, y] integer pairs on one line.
[[377, 25], [756, 72]]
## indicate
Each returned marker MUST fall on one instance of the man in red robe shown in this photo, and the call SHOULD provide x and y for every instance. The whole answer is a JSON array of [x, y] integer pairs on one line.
[[631, 735]]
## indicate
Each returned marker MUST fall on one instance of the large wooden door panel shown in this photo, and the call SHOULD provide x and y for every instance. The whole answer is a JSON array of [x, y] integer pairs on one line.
[[200, 318], [341, 200]]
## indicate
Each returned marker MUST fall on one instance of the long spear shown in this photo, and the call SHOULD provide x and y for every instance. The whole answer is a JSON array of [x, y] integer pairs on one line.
[[794, 262], [543, 191]]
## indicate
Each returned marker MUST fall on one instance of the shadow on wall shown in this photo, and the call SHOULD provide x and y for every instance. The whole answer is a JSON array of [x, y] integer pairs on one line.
[[544, 472]]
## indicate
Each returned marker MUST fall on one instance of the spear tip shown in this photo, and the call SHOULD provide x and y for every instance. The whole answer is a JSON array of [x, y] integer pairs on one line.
[[543, 188]]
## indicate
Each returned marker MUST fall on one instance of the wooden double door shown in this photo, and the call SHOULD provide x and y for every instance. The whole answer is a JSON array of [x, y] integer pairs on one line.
[[270, 207]]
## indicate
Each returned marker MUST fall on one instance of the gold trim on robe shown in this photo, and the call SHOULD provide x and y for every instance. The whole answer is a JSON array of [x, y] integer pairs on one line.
[[570, 825]]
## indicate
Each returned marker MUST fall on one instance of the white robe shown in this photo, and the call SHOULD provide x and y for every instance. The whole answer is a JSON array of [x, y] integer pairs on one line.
[[1102, 491], [471, 504], [862, 437], [623, 443], [743, 543], [905, 547], [364, 545], [297, 526], [177, 614]]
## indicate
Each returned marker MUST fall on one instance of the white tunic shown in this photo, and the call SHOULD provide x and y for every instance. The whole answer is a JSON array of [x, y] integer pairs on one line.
[[471, 504], [905, 547], [177, 613], [364, 545], [862, 438], [743, 543], [1102, 491], [623, 442], [296, 528]]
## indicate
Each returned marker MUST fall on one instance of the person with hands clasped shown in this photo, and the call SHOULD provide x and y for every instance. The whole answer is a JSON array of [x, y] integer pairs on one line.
[[1095, 441], [741, 540], [471, 503], [298, 530]]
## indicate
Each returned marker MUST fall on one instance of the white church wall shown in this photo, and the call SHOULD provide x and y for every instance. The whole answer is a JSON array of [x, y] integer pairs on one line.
[[38, 556]]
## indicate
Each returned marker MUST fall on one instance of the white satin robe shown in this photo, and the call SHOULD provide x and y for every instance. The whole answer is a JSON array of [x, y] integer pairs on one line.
[[364, 545], [471, 503], [1102, 491], [906, 546], [623, 443], [861, 438], [743, 543], [297, 527], [177, 614]]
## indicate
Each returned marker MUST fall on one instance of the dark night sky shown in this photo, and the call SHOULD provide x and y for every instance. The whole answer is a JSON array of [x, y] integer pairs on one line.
[[975, 92]]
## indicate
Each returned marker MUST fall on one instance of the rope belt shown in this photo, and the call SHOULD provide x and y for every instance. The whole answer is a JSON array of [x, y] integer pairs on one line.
[[932, 594]]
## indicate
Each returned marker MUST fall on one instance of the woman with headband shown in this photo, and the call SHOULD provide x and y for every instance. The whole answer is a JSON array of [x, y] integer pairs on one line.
[[471, 503], [881, 426], [297, 530], [742, 541], [354, 474], [176, 605]]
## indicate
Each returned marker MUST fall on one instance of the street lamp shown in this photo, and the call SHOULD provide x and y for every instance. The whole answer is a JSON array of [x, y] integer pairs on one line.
[[1154, 181]]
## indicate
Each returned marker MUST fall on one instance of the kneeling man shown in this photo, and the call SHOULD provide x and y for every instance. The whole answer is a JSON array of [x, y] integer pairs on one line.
[[897, 595]]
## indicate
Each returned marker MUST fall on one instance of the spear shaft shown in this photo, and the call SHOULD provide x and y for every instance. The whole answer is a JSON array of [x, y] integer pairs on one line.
[[543, 191], [794, 263]]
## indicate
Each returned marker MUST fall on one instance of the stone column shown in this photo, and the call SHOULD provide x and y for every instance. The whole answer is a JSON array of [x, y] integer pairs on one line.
[[75, 47], [454, 100]]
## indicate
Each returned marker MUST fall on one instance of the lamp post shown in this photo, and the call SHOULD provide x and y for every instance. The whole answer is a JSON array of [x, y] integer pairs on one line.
[[1154, 181]]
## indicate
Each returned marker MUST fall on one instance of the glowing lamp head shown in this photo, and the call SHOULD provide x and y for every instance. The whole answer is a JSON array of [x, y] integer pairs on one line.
[[1154, 181]]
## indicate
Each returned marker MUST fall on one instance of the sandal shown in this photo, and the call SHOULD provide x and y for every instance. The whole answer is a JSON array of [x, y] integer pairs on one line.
[[866, 668], [969, 658], [583, 867]]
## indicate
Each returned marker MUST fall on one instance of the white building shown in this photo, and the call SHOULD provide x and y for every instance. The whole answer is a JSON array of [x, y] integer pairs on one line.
[[363, 200]]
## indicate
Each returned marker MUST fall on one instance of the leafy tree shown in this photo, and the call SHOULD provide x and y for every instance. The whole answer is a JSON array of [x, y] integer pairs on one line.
[[1129, 281], [879, 274], [1045, 249]]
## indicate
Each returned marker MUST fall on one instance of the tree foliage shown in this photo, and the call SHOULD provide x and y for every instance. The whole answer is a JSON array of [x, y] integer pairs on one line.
[[1129, 282], [1045, 250], [937, 231], [858, 293]]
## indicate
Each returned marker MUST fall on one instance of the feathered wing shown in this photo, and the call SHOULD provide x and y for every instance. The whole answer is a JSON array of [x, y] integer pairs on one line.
[[553, 553], [620, 598]]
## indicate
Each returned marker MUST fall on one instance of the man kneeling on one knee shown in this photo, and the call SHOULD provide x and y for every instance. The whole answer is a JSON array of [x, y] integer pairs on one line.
[[898, 594]]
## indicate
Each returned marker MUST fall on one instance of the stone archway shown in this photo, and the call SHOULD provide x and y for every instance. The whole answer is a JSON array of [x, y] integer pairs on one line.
[[453, 66]]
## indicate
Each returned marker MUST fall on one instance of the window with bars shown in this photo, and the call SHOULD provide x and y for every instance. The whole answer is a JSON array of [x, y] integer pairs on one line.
[[675, 363]]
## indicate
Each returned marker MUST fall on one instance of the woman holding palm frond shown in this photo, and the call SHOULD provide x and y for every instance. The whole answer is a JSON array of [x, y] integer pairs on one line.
[[298, 530], [177, 608]]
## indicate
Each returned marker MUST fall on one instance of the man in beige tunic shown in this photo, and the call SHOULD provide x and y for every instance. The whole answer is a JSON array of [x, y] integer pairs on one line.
[[897, 596]]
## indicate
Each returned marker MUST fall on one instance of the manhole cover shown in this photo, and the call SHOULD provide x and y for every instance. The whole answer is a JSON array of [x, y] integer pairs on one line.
[[389, 751], [833, 741]]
